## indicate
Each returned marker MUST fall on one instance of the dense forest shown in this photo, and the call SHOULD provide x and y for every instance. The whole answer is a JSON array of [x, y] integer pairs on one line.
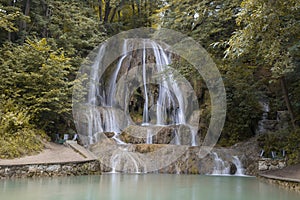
[[255, 44]]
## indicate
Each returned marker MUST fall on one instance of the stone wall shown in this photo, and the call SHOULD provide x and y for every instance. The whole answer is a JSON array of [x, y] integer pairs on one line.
[[49, 170], [287, 184], [271, 164]]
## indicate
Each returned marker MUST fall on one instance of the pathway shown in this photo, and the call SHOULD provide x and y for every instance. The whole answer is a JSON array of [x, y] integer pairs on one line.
[[290, 173], [54, 153]]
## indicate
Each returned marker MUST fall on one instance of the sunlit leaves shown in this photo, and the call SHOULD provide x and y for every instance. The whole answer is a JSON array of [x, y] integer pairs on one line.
[[268, 29], [9, 18], [36, 76]]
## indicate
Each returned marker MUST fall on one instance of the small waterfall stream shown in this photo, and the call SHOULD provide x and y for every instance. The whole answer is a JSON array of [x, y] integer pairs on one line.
[[177, 137], [261, 124], [239, 167], [149, 136], [222, 167], [219, 166]]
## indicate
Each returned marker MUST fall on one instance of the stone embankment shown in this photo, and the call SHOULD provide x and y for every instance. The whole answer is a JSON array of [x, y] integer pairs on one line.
[[49, 170], [69, 159], [288, 177]]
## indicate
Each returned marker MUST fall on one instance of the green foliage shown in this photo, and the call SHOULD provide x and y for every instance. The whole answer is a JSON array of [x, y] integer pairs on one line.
[[268, 37], [268, 29], [243, 109], [17, 136], [36, 77], [208, 21], [44, 42], [293, 147], [9, 16], [287, 140], [73, 27]]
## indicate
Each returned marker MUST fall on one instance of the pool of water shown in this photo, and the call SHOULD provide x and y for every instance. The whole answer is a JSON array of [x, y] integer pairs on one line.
[[142, 187]]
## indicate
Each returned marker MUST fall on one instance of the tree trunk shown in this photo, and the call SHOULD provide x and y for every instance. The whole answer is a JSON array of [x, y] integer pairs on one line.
[[139, 7], [107, 11], [47, 15], [23, 24], [26, 13], [119, 15], [100, 9], [9, 36], [133, 7], [116, 10], [287, 101], [113, 14]]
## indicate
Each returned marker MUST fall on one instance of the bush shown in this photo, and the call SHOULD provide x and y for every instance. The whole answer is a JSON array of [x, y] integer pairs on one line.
[[282, 140], [17, 136]]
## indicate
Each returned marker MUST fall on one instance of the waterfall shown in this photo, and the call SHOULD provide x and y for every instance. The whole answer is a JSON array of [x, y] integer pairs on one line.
[[146, 105], [94, 124], [94, 78], [239, 167], [164, 105], [177, 137], [193, 136], [261, 123], [219, 166], [109, 120], [113, 80], [168, 85], [222, 167], [149, 136], [126, 161]]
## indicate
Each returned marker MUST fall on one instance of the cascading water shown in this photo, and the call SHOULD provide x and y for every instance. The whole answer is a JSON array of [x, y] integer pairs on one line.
[[94, 78], [149, 136], [265, 107], [95, 124], [219, 166], [146, 105], [222, 167], [168, 84], [113, 81], [138, 84], [239, 167], [177, 137], [193, 136], [93, 115], [169, 102]]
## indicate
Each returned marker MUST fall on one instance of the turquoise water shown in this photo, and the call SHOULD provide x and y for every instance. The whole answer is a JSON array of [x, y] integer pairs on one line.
[[142, 187]]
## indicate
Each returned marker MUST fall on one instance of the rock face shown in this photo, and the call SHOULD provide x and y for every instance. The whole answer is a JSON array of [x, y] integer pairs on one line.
[[172, 134], [271, 125], [174, 159], [250, 151], [149, 158], [166, 155]]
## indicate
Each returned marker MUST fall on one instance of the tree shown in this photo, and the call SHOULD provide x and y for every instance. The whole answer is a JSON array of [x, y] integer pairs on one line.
[[36, 77], [9, 18], [206, 21], [268, 29], [18, 136]]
